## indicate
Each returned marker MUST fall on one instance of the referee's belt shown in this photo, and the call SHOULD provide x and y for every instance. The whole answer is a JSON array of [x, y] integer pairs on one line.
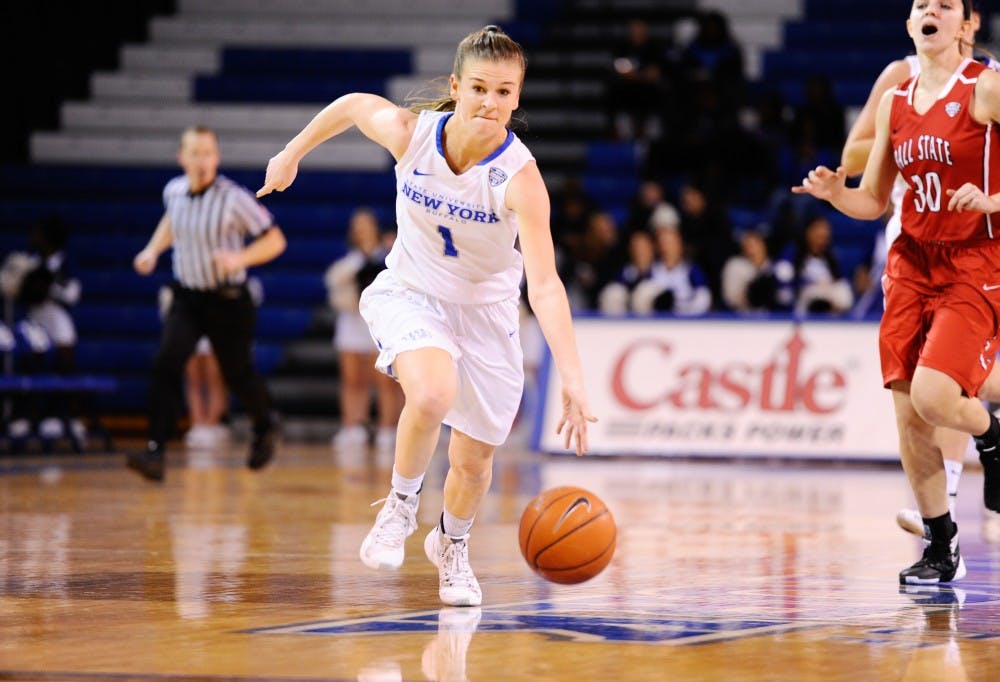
[[230, 292]]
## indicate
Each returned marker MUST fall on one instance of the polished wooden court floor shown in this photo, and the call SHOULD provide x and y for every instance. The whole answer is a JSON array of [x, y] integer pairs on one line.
[[724, 571]]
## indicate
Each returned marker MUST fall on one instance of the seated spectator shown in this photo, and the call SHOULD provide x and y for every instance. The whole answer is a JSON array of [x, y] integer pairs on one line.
[[809, 276], [571, 210], [748, 282], [597, 261], [819, 121], [637, 84], [706, 231], [646, 203], [616, 297], [674, 285], [41, 285]]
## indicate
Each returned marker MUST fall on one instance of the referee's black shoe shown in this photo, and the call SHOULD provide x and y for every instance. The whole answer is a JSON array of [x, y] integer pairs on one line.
[[150, 463], [262, 448]]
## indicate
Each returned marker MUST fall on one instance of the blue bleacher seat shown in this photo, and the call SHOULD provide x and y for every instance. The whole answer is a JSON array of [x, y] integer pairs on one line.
[[848, 33], [282, 323], [312, 253], [98, 321], [368, 63], [293, 286], [262, 89], [611, 157], [804, 62]]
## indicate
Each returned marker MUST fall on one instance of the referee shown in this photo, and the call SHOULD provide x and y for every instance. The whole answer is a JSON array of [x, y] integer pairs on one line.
[[207, 219]]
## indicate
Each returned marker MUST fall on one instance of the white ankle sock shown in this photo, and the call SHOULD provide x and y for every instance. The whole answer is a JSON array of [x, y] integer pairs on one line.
[[454, 527], [406, 486]]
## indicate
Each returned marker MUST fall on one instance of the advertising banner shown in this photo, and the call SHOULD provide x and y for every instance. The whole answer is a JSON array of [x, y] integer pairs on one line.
[[729, 388]]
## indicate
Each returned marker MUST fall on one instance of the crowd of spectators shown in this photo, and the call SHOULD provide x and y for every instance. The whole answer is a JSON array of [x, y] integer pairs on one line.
[[709, 142]]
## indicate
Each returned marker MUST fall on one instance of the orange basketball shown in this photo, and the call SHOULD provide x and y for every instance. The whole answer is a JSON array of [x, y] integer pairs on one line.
[[567, 535]]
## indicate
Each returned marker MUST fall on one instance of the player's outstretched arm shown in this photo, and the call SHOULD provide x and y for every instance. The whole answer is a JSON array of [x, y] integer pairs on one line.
[[379, 119], [868, 201], [528, 198]]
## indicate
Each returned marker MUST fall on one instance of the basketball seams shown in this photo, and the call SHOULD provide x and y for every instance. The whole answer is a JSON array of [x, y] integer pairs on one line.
[[534, 560], [604, 552], [570, 490]]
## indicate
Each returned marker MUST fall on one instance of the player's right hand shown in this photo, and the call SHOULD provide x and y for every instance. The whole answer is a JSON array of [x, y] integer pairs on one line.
[[822, 183], [281, 172], [144, 262]]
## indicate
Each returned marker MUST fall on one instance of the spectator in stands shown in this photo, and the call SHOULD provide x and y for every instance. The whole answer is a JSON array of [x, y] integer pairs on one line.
[[819, 120], [714, 56], [49, 291], [597, 261], [571, 211], [207, 220], [637, 85], [43, 287], [706, 231], [445, 312], [356, 351], [675, 284], [809, 276], [616, 298], [748, 281], [649, 200]]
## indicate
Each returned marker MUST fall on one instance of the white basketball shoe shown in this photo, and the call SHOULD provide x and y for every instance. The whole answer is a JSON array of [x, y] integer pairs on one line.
[[458, 584], [383, 547]]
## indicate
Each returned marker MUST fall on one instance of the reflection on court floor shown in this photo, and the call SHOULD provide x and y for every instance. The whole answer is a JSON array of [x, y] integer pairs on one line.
[[724, 570]]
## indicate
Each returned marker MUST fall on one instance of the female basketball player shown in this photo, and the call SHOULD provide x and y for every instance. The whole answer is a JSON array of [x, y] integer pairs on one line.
[[938, 335], [952, 443], [445, 312]]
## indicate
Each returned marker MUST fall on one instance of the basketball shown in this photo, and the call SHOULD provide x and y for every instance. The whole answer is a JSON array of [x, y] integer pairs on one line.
[[567, 535]]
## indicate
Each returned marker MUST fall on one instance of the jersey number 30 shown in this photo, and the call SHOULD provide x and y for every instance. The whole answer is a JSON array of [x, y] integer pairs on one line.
[[449, 243], [927, 192]]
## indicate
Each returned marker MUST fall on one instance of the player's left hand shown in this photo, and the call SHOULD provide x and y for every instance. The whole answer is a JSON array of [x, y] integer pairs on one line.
[[968, 197], [576, 414], [228, 262]]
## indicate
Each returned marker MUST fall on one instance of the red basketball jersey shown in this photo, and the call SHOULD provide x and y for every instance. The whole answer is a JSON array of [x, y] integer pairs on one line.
[[941, 150]]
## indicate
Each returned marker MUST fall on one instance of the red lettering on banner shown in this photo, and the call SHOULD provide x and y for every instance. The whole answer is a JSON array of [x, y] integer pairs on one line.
[[778, 386]]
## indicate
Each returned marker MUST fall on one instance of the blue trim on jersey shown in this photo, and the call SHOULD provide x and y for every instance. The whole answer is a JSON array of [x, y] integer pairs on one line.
[[499, 150], [440, 132], [496, 152]]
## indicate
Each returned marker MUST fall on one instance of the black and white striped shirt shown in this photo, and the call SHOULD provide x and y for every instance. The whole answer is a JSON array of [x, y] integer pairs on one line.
[[220, 217]]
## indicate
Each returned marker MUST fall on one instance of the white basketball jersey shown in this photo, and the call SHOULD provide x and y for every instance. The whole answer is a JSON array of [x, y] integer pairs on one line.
[[456, 236]]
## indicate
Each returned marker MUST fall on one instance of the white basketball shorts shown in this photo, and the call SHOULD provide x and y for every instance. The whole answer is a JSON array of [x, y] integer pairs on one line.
[[482, 339]]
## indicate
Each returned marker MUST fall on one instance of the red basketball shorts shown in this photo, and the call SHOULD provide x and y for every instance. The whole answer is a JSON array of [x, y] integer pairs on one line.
[[942, 310]]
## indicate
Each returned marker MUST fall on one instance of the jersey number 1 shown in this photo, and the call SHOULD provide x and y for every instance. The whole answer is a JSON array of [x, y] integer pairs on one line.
[[449, 243]]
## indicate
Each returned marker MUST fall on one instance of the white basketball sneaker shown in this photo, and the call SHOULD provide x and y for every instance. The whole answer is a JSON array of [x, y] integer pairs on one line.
[[383, 547], [458, 584], [911, 521]]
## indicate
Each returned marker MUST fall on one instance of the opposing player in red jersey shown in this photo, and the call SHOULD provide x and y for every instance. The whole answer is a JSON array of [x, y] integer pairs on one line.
[[938, 337], [953, 444]]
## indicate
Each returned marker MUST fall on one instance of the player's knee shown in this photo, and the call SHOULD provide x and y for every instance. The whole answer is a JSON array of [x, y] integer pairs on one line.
[[430, 402], [930, 406], [476, 473]]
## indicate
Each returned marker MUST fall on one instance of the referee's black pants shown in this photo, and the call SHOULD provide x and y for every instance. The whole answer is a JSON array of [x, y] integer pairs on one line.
[[227, 316]]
